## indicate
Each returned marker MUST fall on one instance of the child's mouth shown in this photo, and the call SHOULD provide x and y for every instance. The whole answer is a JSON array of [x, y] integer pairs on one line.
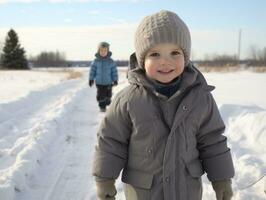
[[165, 71]]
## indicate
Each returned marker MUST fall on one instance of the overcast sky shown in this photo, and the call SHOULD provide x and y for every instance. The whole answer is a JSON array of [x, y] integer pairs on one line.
[[77, 26]]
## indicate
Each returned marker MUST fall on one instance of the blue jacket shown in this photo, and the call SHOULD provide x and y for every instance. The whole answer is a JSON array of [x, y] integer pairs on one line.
[[103, 70]]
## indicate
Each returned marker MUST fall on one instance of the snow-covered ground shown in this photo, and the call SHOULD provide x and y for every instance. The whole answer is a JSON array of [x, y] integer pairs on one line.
[[17, 84], [48, 127]]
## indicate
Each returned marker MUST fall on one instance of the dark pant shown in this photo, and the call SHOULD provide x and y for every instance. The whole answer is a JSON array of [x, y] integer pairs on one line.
[[104, 95]]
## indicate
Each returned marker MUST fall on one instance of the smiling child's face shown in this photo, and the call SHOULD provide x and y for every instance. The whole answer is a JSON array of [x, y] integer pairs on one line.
[[164, 62]]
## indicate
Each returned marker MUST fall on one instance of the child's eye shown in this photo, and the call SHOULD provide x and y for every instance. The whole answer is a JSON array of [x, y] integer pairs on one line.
[[174, 53], [154, 54]]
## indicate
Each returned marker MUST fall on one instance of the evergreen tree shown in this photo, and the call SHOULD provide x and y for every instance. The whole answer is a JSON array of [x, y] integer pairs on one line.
[[13, 56]]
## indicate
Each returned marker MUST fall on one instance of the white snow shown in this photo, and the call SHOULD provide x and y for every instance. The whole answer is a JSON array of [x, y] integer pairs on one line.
[[17, 84], [48, 128]]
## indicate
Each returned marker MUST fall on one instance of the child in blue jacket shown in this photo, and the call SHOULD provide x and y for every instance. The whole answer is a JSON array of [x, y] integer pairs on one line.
[[103, 70]]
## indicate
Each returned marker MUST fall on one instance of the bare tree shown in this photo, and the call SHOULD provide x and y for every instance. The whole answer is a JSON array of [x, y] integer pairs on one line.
[[253, 52], [207, 57], [257, 56], [262, 55]]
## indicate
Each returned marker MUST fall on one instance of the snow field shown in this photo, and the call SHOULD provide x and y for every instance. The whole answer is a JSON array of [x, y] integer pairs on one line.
[[48, 131]]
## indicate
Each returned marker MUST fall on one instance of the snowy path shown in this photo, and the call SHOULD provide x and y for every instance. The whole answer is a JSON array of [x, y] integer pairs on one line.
[[47, 141], [51, 142], [64, 171], [48, 131]]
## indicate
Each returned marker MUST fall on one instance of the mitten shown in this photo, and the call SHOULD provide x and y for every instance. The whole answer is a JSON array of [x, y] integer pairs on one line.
[[106, 190], [91, 82], [223, 189], [115, 83]]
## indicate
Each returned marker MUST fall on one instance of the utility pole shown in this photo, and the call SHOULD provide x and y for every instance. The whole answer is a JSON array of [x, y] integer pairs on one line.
[[239, 46]]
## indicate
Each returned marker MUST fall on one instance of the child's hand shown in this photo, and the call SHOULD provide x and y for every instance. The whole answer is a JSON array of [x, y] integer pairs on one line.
[[91, 82], [106, 190], [223, 189], [115, 83]]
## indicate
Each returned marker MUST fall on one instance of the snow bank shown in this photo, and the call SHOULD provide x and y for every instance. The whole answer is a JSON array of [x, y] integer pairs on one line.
[[25, 156], [246, 132]]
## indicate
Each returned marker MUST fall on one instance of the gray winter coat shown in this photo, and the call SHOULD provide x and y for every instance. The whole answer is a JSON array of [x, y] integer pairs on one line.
[[163, 145]]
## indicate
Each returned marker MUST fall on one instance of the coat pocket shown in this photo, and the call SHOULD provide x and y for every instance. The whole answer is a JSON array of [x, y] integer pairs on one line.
[[137, 178]]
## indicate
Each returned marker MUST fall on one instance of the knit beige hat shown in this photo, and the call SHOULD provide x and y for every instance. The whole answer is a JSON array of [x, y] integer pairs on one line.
[[161, 27]]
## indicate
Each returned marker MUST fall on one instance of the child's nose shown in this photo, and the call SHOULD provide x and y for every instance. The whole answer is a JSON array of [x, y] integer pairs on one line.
[[164, 60]]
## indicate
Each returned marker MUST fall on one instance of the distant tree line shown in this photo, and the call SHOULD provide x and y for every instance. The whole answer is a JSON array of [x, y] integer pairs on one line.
[[121, 63], [49, 59], [218, 61], [13, 56], [257, 57]]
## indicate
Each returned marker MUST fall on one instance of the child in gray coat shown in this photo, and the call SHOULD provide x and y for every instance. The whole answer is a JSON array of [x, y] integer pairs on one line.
[[164, 130]]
